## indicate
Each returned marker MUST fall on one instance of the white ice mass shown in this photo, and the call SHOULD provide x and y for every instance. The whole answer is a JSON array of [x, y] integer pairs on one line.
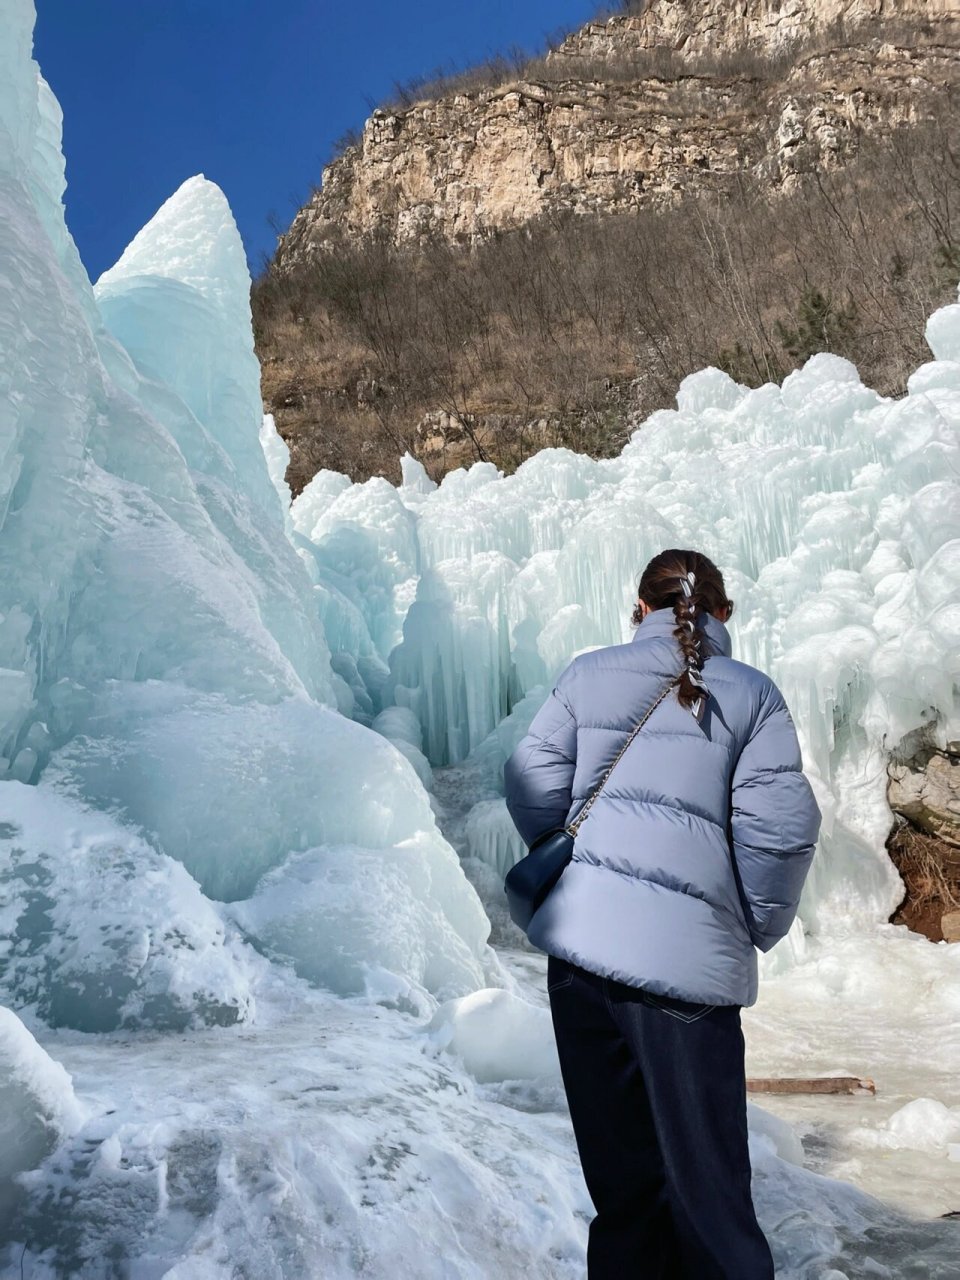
[[251, 821]]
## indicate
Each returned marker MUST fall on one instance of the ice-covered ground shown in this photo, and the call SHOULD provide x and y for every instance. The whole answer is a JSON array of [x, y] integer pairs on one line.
[[333, 1138], [263, 1011], [887, 1007]]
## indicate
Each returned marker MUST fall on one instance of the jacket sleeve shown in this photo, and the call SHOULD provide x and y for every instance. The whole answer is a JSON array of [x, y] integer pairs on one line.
[[538, 777], [775, 822]]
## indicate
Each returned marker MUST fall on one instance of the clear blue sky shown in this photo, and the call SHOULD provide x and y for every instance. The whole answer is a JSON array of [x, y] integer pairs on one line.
[[251, 93]]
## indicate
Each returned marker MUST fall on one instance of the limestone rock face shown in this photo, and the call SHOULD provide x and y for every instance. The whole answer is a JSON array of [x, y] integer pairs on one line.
[[707, 26], [601, 130], [924, 786]]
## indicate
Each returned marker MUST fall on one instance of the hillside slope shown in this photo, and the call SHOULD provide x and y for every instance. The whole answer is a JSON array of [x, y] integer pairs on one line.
[[502, 262]]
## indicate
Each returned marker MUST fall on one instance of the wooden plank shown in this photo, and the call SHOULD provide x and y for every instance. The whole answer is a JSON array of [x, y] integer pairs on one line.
[[818, 1084]]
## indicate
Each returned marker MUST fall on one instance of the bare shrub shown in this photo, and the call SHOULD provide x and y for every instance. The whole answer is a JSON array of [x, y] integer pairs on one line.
[[579, 319], [930, 869], [626, 64]]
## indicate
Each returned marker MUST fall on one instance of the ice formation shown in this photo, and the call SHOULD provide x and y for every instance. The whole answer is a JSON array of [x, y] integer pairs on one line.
[[228, 725], [497, 1036], [102, 931], [834, 514], [38, 1107], [161, 649], [923, 1124]]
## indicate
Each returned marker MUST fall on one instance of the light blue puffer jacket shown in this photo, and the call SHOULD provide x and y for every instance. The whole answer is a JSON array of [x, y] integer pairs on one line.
[[696, 850]]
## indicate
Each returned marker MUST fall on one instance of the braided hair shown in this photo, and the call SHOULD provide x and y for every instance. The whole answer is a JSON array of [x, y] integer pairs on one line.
[[693, 585]]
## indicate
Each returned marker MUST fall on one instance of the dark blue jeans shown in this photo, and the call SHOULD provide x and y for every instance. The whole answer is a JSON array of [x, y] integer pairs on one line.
[[658, 1100]]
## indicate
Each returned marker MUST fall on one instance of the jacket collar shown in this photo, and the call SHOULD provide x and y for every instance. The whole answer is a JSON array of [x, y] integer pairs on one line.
[[661, 622]]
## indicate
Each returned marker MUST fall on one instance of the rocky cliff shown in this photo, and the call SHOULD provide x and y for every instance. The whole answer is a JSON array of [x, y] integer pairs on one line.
[[924, 793], [641, 108], [709, 26]]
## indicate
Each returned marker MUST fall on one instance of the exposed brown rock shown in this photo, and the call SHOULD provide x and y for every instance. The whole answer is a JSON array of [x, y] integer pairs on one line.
[[469, 162], [924, 792], [706, 26], [924, 786]]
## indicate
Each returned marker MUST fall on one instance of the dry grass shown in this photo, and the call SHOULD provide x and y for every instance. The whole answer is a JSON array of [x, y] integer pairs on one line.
[[627, 65], [930, 869], [580, 319]]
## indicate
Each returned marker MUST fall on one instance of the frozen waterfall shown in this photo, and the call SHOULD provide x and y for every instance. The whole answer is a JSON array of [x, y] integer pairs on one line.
[[833, 512]]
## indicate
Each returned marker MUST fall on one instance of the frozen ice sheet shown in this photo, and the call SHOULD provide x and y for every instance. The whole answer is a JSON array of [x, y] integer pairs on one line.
[[336, 1137]]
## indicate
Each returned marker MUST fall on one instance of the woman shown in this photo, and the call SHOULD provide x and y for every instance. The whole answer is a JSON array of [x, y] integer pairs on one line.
[[692, 856]]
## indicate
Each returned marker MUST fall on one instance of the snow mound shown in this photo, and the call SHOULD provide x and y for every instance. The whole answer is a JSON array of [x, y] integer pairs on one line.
[[38, 1107], [497, 1035], [926, 1125], [350, 918], [101, 931]]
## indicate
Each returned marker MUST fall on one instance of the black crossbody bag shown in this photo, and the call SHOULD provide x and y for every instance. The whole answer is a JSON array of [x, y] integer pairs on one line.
[[528, 881]]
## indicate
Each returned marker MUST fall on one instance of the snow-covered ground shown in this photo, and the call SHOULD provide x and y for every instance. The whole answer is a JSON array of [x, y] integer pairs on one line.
[[263, 1011], [332, 1138], [885, 1006]]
